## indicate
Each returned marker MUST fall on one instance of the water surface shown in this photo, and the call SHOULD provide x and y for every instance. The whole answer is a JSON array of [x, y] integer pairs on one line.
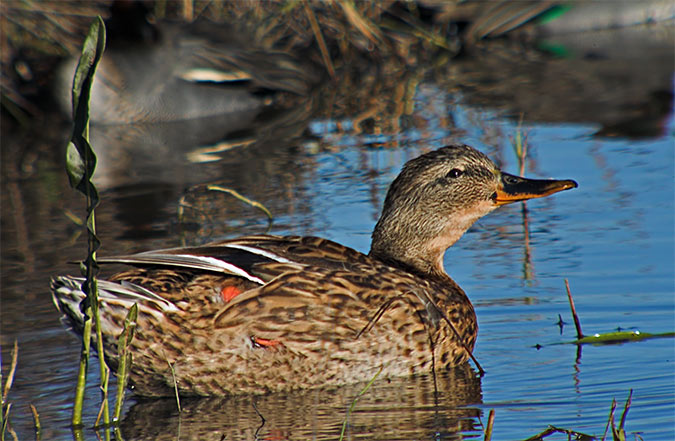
[[325, 171]]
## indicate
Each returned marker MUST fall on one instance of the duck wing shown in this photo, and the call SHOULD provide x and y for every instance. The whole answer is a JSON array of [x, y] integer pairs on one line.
[[269, 305], [274, 276], [281, 270], [255, 258]]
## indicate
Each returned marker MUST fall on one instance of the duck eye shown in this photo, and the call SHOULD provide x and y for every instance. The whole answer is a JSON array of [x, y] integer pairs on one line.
[[454, 173]]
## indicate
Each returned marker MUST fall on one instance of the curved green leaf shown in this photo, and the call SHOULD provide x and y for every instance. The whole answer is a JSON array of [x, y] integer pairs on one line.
[[80, 165]]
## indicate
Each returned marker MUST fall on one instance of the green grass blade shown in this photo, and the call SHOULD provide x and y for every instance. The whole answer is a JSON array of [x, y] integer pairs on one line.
[[360, 394]]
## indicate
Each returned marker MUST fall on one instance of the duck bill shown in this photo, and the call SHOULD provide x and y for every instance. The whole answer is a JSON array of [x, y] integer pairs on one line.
[[515, 189]]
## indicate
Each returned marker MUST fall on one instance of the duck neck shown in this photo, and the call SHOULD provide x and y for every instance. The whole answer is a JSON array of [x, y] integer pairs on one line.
[[416, 246]]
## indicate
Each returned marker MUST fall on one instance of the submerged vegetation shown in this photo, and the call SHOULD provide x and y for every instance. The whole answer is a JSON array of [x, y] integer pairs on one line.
[[605, 338]]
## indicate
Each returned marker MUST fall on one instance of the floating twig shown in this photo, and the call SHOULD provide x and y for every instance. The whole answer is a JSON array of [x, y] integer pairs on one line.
[[244, 199]]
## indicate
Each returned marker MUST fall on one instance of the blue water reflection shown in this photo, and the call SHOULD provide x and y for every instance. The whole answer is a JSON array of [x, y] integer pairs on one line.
[[612, 238]]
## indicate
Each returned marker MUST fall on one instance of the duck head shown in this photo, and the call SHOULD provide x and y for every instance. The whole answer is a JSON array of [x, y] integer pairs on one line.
[[437, 197]]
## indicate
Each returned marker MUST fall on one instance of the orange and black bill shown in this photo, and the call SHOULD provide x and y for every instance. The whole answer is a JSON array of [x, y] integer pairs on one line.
[[515, 189]]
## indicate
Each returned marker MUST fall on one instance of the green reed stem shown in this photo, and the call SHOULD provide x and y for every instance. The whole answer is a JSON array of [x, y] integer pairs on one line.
[[80, 165], [104, 401], [78, 402], [124, 358], [104, 371], [118, 434]]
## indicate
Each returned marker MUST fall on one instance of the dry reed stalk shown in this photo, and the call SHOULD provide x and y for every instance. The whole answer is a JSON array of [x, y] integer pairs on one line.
[[490, 425], [577, 323], [36, 421]]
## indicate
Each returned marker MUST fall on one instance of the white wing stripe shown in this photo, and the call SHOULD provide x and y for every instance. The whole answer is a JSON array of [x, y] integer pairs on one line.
[[260, 252], [227, 267], [137, 291]]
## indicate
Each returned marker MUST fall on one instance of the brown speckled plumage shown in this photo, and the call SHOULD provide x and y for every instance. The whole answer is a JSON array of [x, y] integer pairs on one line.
[[267, 313]]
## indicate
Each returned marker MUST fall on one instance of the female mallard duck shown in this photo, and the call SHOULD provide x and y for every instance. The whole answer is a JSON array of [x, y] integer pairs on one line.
[[269, 313]]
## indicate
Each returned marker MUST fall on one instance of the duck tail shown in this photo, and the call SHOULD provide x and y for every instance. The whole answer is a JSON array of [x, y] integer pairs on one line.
[[115, 299], [67, 295]]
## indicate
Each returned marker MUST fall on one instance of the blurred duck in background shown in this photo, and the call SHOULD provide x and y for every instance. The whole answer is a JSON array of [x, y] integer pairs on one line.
[[536, 19], [573, 62], [152, 70], [171, 71]]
